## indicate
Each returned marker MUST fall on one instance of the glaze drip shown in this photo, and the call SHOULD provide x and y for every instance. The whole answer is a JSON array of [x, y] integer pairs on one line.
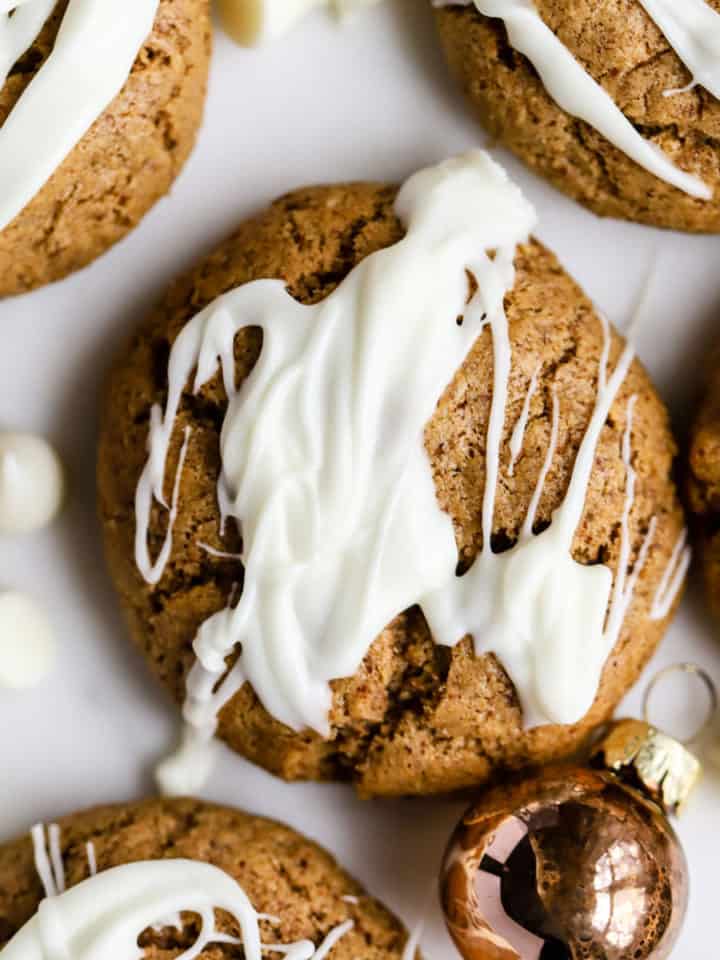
[[48, 858], [518, 434], [534, 605], [672, 579]]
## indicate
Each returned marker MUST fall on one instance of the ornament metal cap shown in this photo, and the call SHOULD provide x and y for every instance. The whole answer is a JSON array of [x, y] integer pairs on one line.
[[644, 757]]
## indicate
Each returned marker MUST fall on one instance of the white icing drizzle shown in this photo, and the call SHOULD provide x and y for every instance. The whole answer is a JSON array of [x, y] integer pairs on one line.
[[529, 523], [518, 435], [305, 950], [413, 941], [93, 55], [91, 858], [48, 858], [105, 915], [692, 28], [219, 554], [341, 526], [190, 766], [626, 579], [694, 37], [672, 579], [534, 605], [151, 487]]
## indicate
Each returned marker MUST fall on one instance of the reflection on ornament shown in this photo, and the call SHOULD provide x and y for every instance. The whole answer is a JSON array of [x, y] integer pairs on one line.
[[570, 864], [579, 863]]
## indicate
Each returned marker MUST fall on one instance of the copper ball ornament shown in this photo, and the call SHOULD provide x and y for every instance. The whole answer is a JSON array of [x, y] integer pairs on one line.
[[569, 864]]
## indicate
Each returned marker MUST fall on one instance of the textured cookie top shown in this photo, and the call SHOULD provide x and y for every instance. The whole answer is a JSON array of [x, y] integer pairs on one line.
[[282, 873], [416, 717], [127, 159], [621, 48]]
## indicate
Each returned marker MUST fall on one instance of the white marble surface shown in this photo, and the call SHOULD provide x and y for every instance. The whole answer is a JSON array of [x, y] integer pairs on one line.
[[370, 100]]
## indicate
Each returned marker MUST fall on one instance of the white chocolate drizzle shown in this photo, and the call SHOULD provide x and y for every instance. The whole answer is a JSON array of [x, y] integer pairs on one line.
[[413, 942], [672, 579], [152, 489], [518, 435], [91, 858], [47, 854], [534, 605], [624, 586], [218, 554], [340, 522], [48, 858], [94, 52], [692, 28], [104, 915]]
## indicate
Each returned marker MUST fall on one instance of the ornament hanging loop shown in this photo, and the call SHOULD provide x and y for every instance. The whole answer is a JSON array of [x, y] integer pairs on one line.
[[693, 670]]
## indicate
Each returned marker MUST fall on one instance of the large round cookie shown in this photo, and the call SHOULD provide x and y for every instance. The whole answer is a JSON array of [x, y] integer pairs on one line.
[[417, 717], [284, 875], [126, 161], [623, 50]]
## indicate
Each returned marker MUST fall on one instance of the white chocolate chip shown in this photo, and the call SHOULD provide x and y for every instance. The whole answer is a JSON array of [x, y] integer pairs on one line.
[[31, 483], [253, 22], [27, 642]]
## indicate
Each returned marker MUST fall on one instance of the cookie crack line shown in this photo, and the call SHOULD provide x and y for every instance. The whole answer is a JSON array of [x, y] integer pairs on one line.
[[339, 518], [693, 30]]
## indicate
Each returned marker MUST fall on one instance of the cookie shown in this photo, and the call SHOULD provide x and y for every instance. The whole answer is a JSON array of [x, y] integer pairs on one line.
[[416, 716], [618, 143], [297, 886], [703, 484], [57, 215]]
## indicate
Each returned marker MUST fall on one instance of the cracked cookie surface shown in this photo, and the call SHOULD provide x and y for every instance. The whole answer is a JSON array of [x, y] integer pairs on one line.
[[622, 49], [127, 160], [416, 718], [284, 874]]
